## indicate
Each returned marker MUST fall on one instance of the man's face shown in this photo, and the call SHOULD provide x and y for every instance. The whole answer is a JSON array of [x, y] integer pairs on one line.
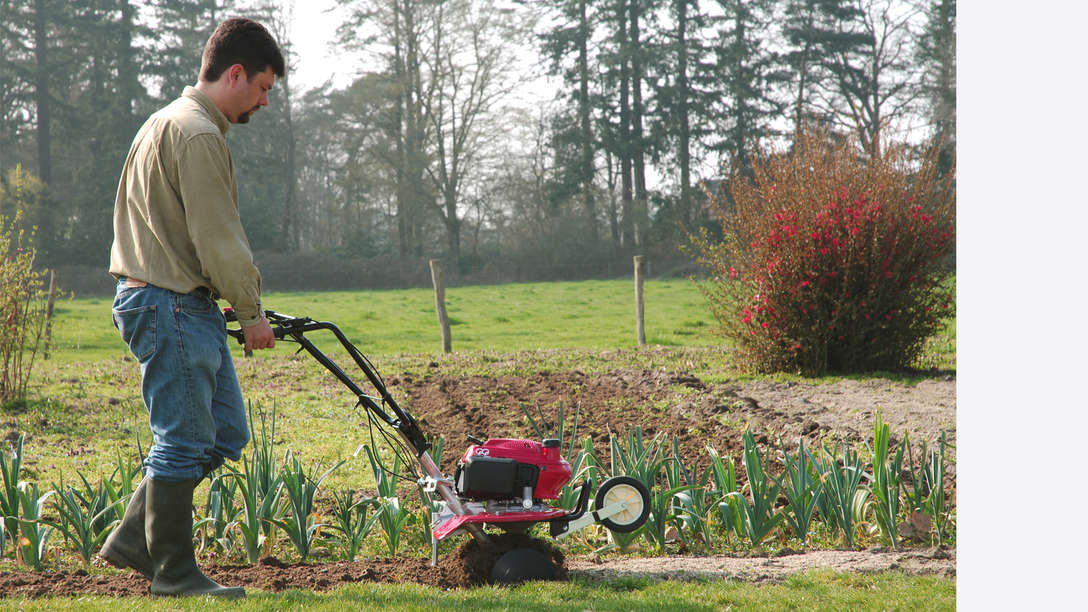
[[249, 94]]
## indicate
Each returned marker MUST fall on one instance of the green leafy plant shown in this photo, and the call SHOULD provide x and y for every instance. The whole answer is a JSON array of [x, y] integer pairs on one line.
[[9, 497], [936, 505], [350, 519], [220, 513], [393, 516], [886, 485], [662, 512], [632, 456], [802, 489], [829, 261], [584, 465], [724, 473], [260, 483], [32, 544], [301, 522], [78, 521], [695, 501], [759, 513], [840, 480]]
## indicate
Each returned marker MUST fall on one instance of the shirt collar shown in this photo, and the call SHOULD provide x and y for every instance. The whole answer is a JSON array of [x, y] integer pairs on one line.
[[206, 103]]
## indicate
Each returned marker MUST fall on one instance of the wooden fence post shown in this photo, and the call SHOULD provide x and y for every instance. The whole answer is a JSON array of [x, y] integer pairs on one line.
[[49, 313], [640, 323], [440, 303]]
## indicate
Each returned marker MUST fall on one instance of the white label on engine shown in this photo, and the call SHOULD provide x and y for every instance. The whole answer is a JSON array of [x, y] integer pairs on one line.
[[483, 452]]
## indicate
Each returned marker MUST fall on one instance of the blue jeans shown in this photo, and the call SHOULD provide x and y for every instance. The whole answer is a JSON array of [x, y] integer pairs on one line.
[[190, 388]]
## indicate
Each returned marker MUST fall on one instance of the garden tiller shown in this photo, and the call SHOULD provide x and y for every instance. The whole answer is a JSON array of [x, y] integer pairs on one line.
[[500, 483]]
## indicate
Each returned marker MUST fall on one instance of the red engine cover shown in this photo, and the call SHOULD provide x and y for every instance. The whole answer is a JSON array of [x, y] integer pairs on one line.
[[555, 472]]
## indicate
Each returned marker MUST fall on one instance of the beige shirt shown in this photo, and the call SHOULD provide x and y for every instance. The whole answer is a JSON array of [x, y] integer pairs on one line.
[[176, 223]]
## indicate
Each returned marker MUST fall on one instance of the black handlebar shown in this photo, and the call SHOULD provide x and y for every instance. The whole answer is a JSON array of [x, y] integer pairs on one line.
[[292, 329]]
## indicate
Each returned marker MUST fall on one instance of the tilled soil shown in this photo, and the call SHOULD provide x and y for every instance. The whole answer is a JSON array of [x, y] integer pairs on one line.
[[670, 403], [677, 403]]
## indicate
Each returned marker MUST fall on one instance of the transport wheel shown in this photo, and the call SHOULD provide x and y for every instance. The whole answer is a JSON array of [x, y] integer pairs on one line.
[[624, 489]]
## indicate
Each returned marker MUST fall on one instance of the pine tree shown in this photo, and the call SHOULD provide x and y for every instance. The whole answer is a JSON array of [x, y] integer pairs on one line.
[[937, 55], [748, 73]]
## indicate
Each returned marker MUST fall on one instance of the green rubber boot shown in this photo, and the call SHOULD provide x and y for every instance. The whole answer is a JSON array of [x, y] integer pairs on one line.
[[169, 523], [126, 546]]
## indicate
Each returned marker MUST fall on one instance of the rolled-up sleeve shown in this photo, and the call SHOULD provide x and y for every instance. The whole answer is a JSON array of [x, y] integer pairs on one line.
[[210, 197]]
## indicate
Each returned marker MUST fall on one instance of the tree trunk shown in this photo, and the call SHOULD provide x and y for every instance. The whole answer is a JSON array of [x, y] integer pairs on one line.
[[41, 92], [624, 152], [684, 127], [641, 204], [588, 204]]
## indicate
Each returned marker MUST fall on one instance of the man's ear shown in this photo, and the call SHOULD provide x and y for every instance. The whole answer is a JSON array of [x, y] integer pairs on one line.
[[236, 72]]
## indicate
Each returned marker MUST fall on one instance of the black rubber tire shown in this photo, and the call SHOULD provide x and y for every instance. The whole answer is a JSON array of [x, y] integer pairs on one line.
[[522, 564], [618, 489]]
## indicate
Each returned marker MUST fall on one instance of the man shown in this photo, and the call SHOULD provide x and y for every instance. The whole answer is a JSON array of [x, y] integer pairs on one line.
[[178, 246]]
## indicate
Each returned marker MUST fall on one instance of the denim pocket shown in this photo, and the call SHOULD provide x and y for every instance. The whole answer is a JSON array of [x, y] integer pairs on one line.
[[196, 304], [137, 327]]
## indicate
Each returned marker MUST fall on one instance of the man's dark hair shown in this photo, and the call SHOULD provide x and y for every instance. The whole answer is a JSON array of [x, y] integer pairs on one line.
[[241, 41]]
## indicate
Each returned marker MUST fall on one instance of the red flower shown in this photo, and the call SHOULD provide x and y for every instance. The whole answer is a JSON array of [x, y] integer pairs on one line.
[[732, 272]]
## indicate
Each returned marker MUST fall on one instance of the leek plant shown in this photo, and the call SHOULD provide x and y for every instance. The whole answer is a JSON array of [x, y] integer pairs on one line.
[[393, 517], [105, 502], [78, 521], [759, 514], [261, 506], [696, 502], [584, 465], [350, 519], [261, 483], [635, 458], [886, 481], [935, 503], [839, 485], [32, 544], [802, 489], [724, 473], [662, 512], [915, 494], [301, 523], [220, 513], [9, 497]]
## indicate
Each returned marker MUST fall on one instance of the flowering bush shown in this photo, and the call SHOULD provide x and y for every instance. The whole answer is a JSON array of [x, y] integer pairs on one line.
[[829, 262]]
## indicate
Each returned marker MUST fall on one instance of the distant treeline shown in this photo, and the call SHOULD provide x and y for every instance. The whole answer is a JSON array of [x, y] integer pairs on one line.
[[424, 155]]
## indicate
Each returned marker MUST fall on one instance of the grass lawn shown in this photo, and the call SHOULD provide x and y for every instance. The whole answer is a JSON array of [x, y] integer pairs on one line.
[[503, 318], [817, 590]]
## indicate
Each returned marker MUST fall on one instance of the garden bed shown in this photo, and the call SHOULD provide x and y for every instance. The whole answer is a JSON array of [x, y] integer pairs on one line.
[[699, 413]]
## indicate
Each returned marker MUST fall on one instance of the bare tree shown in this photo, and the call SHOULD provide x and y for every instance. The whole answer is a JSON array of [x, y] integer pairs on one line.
[[471, 67], [875, 83]]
